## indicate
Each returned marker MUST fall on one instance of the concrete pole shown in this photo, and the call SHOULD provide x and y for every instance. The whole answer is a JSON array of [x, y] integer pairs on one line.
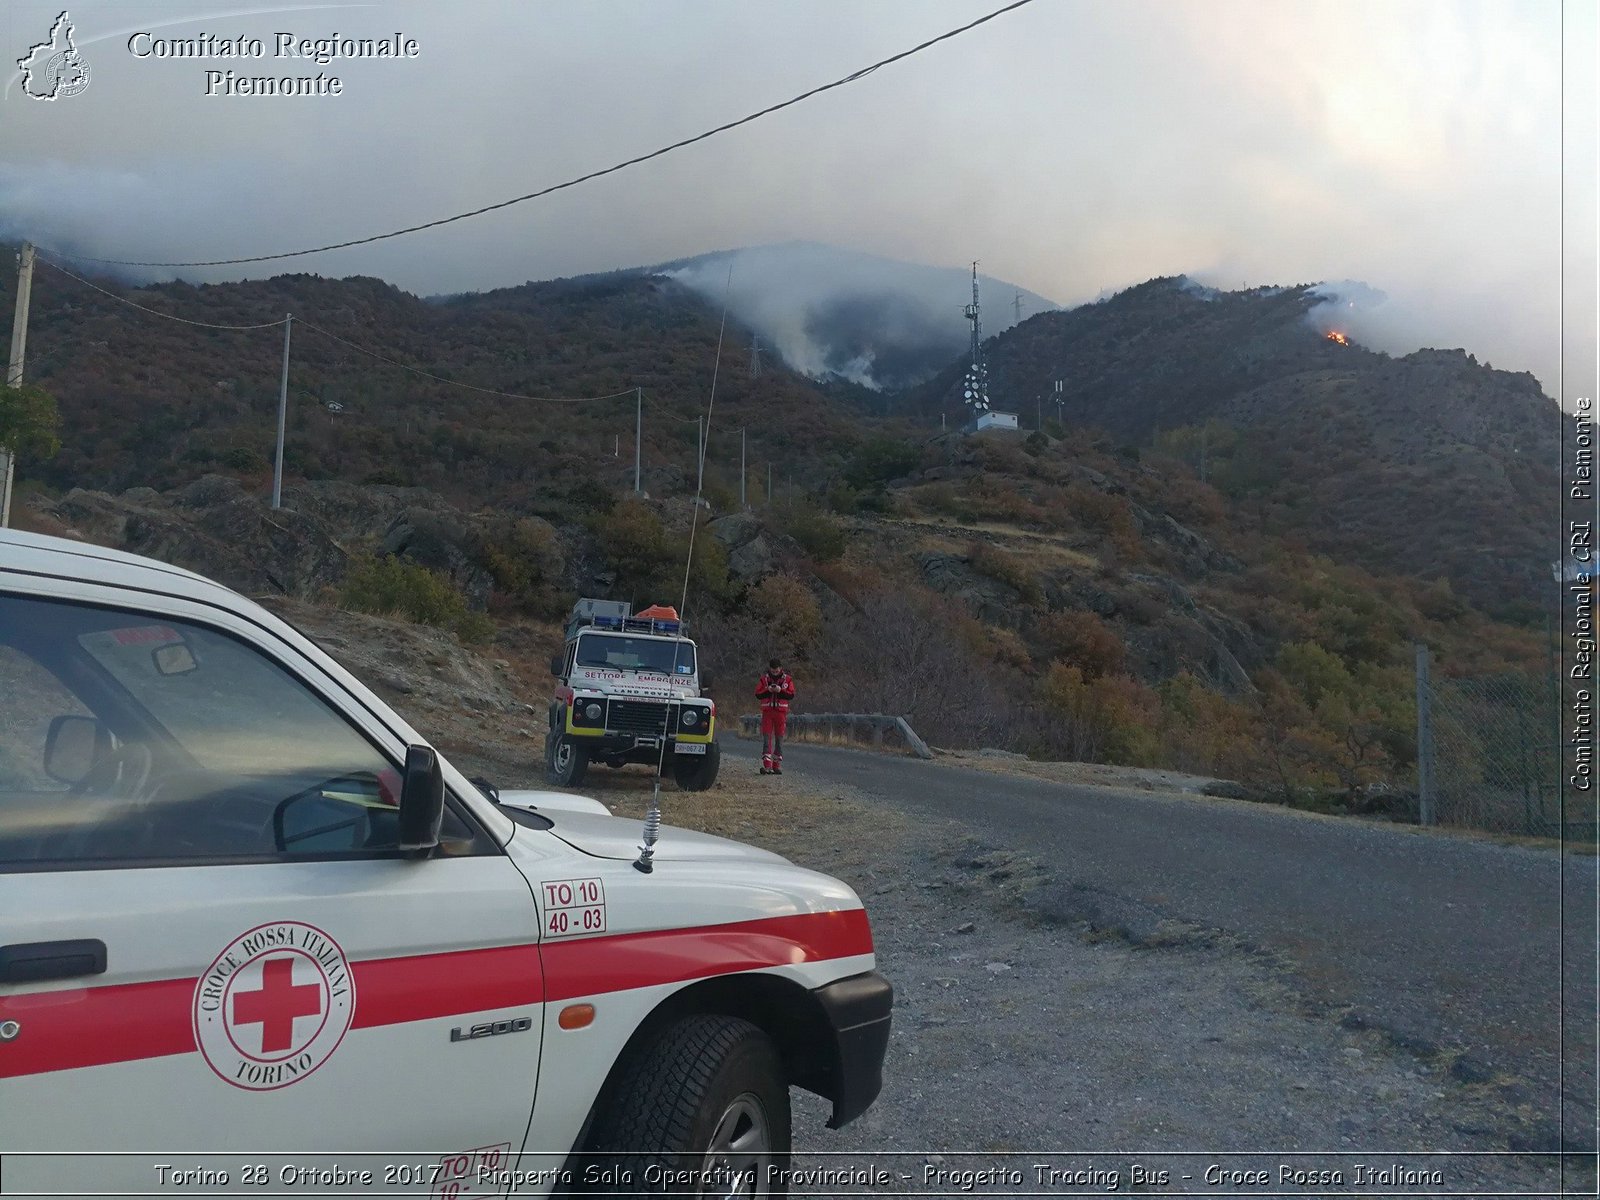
[[700, 432], [638, 440], [1424, 740], [283, 413], [19, 348], [742, 504]]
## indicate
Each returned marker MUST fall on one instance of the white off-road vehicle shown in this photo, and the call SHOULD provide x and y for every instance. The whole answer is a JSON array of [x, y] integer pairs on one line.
[[630, 691], [257, 935]]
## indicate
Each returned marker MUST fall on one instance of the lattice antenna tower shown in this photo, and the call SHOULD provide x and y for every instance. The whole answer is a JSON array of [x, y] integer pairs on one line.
[[975, 388], [755, 356]]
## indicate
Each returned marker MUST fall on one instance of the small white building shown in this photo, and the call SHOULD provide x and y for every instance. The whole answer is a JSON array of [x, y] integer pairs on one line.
[[991, 420]]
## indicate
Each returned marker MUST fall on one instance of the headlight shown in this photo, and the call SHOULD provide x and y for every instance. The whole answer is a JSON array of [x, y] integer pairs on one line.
[[690, 717], [592, 712]]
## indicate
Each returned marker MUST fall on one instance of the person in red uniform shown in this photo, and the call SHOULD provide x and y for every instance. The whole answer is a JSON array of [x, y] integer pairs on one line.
[[774, 690]]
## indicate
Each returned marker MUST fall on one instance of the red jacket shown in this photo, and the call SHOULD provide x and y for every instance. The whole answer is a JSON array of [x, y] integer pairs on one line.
[[775, 692]]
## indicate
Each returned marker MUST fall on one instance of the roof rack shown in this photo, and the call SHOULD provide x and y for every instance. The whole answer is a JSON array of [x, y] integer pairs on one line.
[[613, 616]]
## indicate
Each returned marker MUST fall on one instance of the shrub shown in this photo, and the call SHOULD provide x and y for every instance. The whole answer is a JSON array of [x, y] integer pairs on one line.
[[943, 498], [241, 458], [649, 561], [817, 533], [1006, 568], [29, 420], [878, 460], [1207, 733], [524, 557], [789, 613], [1083, 640], [636, 545], [393, 587], [1101, 720]]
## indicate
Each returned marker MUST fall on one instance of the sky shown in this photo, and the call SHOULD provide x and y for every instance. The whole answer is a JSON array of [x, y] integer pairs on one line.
[[1442, 152]]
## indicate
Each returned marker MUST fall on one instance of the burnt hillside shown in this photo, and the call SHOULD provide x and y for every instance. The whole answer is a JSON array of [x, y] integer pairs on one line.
[[1430, 464]]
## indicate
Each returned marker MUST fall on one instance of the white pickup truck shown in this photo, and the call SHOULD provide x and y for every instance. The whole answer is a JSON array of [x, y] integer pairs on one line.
[[256, 935]]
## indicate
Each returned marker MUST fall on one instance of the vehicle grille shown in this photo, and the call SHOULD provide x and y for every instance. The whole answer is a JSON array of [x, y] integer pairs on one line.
[[640, 717]]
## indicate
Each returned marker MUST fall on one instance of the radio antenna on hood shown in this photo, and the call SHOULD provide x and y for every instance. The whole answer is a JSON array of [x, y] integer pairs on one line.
[[645, 863]]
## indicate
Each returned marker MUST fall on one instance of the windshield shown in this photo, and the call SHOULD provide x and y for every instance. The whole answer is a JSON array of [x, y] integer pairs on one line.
[[622, 653]]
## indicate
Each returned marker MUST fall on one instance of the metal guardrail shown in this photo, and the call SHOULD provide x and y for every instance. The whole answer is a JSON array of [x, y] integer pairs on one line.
[[871, 728]]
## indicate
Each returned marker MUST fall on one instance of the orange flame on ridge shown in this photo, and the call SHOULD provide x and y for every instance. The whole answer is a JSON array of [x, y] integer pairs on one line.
[[1335, 336]]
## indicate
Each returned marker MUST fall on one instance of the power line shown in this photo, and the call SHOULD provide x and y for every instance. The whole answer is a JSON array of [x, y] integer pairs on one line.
[[471, 387], [153, 312], [477, 212]]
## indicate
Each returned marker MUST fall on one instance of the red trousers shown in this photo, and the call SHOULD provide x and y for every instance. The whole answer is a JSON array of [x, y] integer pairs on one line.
[[772, 722]]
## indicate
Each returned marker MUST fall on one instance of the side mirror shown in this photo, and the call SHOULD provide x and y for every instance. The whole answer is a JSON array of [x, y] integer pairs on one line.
[[421, 800], [316, 822], [73, 746], [705, 681], [557, 661]]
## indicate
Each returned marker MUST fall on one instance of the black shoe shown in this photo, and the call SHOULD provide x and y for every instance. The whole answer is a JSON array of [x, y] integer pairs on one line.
[[777, 770], [764, 771]]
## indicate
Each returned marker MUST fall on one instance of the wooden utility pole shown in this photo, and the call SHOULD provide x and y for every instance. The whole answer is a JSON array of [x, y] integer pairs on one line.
[[283, 413], [742, 504], [19, 347], [638, 440]]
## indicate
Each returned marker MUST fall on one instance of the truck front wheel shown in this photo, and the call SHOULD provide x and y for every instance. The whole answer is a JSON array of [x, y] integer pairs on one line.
[[697, 772], [708, 1101], [565, 760]]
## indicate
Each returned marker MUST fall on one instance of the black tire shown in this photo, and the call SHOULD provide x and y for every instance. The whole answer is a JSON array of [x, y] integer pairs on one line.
[[696, 773], [706, 1083], [566, 760]]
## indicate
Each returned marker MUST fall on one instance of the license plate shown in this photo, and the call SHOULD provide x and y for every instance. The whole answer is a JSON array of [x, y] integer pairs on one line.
[[691, 748]]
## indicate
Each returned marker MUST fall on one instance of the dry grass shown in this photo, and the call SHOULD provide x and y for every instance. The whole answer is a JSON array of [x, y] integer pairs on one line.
[[818, 826], [946, 534], [1088, 774]]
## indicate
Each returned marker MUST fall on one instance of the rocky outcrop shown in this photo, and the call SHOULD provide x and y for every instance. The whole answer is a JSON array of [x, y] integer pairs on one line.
[[221, 529], [987, 599], [754, 551], [441, 542], [213, 526]]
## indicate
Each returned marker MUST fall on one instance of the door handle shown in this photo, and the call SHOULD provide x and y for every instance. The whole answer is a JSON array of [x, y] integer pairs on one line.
[[27, 962]]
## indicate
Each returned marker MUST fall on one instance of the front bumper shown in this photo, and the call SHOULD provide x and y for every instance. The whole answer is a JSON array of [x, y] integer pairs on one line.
[[858, 1011]]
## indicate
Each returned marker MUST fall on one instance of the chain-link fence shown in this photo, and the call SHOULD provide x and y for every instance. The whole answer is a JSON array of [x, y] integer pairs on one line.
[[1489, 752]]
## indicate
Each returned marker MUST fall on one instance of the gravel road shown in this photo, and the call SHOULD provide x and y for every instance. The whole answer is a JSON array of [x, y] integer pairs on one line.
[[1176, 975]]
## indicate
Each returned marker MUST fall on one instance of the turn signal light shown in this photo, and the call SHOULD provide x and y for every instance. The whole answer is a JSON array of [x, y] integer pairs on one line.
[[576, 1016]]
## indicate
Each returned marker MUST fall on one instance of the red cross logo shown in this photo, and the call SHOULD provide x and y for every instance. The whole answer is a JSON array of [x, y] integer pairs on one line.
[[277, 1003]]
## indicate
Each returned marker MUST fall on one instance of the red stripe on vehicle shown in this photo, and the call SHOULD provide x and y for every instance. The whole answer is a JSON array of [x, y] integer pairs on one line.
[[615, 963], [88, 1027], [392, 991]]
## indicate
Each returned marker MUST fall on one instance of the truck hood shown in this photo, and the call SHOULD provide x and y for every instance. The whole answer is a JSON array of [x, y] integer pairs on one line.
[[620, 838]]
